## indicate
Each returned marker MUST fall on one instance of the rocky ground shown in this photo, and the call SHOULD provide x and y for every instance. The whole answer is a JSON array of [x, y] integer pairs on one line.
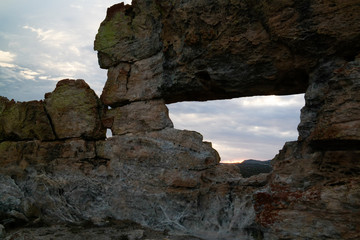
[[124, 230]]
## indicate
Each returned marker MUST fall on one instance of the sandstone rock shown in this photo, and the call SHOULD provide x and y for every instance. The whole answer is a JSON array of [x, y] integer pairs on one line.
[[310, 187], [339, 118], [139, 117], [170, 180], [168, 149], [330, 116], [24, 121], [315, 178], [239, 49], [75, 110], [17, 157], [138, 29], [166, 179], [133, 82]]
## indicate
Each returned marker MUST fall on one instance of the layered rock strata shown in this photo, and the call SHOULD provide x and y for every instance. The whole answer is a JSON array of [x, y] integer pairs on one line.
[[58, 168]]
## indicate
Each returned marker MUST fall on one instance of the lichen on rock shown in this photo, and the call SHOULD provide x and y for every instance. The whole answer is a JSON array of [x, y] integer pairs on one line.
[[75, 110], [24, 121]]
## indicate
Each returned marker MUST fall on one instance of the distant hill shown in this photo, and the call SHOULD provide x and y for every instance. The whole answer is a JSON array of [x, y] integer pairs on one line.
[[252, 167]]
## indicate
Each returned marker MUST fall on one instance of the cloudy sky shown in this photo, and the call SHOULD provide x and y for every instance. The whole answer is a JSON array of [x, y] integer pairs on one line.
[[44, 41]]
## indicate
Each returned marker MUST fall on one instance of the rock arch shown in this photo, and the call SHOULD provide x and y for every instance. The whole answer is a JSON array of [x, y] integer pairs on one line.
[[160, 52]]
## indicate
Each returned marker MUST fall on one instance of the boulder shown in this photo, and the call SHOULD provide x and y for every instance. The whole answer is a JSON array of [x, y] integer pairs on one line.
[[134, 33], [75, 110], [138, 81], [138, 117], [168, 148]]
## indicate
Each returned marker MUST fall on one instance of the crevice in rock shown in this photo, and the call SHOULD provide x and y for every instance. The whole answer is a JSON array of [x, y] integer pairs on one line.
[[128, 78], [335, 145], [50, 121]]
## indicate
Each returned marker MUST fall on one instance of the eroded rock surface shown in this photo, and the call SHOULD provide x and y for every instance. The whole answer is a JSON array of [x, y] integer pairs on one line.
[[24, 120], [75, 110], [58, 171], [201, 50], [126, 119], [314, 188]]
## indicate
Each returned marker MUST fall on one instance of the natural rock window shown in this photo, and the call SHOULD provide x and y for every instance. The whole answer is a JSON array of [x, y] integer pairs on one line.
[[242, 128]]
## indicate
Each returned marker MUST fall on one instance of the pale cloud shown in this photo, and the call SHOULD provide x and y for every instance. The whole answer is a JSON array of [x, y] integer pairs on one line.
[[75, 50], [7, 57], [18, 73], [7, 65], [78, 7], [69, 42], [242, 128], [66, 68], [29, 74], [270, 131], [44, 77], [269, 101], [52, 37]]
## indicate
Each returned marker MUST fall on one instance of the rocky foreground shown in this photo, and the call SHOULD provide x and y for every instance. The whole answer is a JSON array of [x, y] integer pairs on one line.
[[61, 178]]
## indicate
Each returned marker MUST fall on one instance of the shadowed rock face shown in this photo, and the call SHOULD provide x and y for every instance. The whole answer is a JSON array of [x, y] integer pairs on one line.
[[26, 120], [316, 179], [202, 50], [56, 167]]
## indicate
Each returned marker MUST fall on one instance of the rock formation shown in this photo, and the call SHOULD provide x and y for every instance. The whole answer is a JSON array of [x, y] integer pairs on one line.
[[58, 168]]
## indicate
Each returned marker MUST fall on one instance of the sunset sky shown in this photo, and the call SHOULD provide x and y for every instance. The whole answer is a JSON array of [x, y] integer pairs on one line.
[[42, 42]]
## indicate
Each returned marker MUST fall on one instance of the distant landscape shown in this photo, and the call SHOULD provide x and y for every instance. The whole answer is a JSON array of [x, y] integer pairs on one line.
[[253, 167]]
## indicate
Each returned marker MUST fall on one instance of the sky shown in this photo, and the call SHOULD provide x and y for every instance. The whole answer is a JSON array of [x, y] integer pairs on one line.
[[42, 42]]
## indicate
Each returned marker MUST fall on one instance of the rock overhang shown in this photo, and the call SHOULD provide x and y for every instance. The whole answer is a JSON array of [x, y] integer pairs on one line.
[[206, 50]]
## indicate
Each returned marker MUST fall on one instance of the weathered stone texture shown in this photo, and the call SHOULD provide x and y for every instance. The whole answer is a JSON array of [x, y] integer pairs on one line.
[[225, 49], [24, 120], [138, 117], [316, 180], [311, 195], [331, 112], [340, 113], [165, 179], [62, 170], [138, 27], [133, 82], [75, 110], [169, 148]]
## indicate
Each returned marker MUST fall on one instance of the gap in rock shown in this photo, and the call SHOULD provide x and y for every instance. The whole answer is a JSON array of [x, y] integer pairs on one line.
[[108, 133], [242, 128]]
